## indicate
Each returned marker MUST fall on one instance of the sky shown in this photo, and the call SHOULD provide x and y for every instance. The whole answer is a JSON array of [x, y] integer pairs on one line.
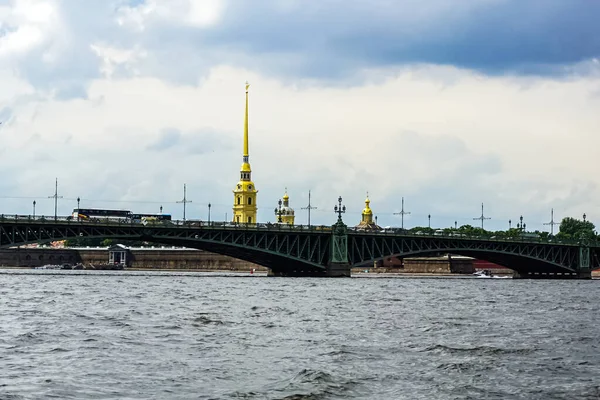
[[447, 104]]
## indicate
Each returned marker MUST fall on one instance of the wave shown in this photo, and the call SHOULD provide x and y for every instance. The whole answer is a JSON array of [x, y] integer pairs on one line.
[[479, 350]]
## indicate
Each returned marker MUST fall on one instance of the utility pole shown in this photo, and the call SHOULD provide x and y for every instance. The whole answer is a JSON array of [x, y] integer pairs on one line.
[[482, 218], [55, 197], [309, 207], [185, 200], [402, 213], [552, 223]]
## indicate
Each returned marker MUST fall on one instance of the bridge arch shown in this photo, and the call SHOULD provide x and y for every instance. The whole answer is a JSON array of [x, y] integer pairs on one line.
[[517, 263]]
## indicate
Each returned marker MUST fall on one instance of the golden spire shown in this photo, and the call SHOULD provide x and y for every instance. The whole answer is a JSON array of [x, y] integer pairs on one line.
[[246, 170], [246, 153]]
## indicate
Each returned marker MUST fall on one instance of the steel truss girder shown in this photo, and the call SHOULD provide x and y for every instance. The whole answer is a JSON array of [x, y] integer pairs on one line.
[[308, 248], [368, 248], [311, 248]]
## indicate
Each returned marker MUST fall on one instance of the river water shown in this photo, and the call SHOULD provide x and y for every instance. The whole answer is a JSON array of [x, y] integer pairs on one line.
[[110, 335]]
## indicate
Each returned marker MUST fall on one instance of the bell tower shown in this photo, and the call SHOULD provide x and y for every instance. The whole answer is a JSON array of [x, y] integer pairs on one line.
[[244, 195]]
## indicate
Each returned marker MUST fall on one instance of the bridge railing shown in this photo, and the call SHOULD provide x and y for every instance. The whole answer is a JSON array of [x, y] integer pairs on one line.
[[221, 225], [69, 220]]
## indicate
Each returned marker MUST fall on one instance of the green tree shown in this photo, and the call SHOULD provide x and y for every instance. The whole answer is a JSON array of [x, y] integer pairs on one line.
[[573, 228]]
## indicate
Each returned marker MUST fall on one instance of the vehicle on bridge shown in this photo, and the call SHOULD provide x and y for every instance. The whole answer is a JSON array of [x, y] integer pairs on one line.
[[98, 214], [150, 218]]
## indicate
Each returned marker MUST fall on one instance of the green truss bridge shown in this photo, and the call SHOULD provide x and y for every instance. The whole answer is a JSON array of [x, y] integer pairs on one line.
[[315, 250]]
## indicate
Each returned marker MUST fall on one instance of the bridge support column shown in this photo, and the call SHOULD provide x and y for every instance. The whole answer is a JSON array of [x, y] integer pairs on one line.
[[585, 268], [338, 262], [338, 270]]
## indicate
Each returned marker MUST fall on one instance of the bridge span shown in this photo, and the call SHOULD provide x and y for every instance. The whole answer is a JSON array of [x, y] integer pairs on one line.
[[300, 250]]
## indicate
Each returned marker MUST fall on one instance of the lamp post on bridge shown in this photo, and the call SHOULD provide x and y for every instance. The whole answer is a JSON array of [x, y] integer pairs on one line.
[[584, 217], [34, 209], [278, 212], [55, 197], [339, 209], [552, 223], [482, 217], [520, 224], [429, 222], [209, 205], [78, 200], [185, 200], [455, 224], [309, 207], [402, 213], [509, 222]]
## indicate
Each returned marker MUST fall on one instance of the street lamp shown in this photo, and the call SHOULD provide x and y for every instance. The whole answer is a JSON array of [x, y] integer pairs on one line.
[[429, 218], [34, 203], [161, 209], [78, 200], [521, 224], [340, 209], [278, 211], [455, 224], [209, 206], [376, 220], [584, 217], [509, 222]]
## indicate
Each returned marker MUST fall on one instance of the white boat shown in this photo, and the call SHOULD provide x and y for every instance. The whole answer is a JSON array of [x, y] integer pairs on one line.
[[49, 266], [486, 273]]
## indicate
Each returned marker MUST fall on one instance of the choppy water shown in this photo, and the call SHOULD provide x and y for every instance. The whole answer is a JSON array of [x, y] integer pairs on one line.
[[194, 336]]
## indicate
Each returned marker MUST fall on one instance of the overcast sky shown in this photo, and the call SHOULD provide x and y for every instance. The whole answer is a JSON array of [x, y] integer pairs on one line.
[[449, 104]]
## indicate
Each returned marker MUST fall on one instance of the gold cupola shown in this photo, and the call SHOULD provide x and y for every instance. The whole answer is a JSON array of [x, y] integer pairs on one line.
[[366, 222], [287, 212]]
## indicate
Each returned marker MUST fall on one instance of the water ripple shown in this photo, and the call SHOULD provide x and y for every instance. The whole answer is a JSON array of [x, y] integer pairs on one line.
[[200, 336]]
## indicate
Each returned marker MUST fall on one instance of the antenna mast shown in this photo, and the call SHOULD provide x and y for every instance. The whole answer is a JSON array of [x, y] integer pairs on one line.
[[309, 207]]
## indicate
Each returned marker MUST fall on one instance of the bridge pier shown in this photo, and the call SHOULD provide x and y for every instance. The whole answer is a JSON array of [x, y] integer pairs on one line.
[[553, 275]]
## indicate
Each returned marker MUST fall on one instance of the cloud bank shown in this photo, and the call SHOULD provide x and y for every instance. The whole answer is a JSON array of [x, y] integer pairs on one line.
[[447, 105]]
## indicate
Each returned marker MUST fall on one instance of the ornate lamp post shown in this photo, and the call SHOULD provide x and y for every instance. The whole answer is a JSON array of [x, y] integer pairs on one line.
[[278, 212], [584, 217], [209, 205], [520, 225], [429, 223], [509, 223], [161, 209], [34, 203], [339, 209], [78, 200], [455, 224]]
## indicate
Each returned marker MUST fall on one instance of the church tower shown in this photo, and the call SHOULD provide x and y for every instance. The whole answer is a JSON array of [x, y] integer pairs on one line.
[[366, 222], [244, 195], [286, 213]]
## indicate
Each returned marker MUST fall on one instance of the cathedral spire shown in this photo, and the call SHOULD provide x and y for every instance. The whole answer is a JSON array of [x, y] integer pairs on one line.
[[246, 153], [244, 195]]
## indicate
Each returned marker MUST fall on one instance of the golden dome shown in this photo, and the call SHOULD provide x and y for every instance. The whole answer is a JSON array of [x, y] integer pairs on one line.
[[367, 209]]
